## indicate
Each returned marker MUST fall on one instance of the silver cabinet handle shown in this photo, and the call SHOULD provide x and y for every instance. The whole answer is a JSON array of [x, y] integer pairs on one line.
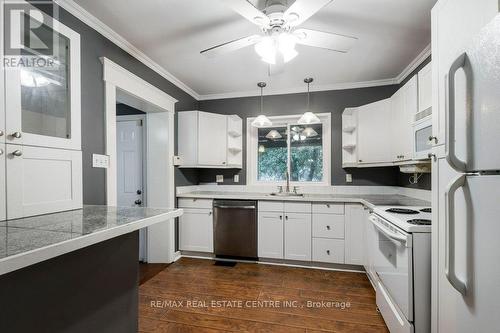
[[328, 252], [433, 138], [281, 217], [450, 255], [210, 213], [1, 152], [327, 227], [1, 133], [16, 135], [461, 62], [17, 153]]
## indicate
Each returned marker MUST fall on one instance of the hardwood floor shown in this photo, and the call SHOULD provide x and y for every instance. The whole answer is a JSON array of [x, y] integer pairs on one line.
[[194, 295]]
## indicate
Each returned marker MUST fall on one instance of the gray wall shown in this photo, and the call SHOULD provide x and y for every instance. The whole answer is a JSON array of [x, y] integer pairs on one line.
[[334, 101], [94, 46]]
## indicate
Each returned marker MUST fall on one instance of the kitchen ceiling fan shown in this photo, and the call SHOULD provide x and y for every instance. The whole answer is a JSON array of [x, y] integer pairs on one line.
[[279, 24]]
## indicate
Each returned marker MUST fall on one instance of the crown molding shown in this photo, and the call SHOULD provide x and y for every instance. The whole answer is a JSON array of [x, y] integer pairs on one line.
[[96, 24], [296, 90], [414, 64]]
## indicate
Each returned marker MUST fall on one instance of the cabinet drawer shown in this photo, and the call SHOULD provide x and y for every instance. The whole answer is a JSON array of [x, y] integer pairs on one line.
[[328, 208], [328, 226], [297, 207], [271, 206], [195, 203], [328, 250]]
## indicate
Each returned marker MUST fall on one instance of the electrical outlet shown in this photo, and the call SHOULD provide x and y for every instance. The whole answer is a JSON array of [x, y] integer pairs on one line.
[[100, 161], [348, 178], [219, 179], [236, 178]]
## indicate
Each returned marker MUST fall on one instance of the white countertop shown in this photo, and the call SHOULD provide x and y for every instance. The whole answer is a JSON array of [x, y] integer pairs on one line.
[[27, 241]]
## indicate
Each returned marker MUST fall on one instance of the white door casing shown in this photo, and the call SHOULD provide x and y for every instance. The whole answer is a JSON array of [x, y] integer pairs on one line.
[[3, 189], [130, 162], [160, 149]]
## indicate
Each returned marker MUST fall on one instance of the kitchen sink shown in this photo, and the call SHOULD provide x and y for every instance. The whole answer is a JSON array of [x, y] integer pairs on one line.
[[287, 194]]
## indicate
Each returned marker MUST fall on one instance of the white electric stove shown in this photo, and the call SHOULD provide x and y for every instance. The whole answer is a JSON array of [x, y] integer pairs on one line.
[[407, 218]]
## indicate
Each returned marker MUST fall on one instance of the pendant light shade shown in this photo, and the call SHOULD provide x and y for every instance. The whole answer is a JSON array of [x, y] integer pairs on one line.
[[309, 132], [308, 117], [273, 134], [262, 120]]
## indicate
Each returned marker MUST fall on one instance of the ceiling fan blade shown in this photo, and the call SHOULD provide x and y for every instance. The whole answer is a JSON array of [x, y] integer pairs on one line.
[[231, 46], [301, 10], [325, 40], [248, 11]]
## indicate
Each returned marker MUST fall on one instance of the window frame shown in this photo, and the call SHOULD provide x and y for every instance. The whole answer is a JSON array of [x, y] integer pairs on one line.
[[252, 153]]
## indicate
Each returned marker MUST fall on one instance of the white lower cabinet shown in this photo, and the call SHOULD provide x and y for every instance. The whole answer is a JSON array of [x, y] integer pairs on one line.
[[270, 231], [298, 236], [2, 184], [196, 230], [328, 250], [354, 234], [42, 180]]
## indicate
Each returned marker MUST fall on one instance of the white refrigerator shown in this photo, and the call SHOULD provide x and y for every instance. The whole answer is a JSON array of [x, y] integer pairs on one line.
[[466, 168]]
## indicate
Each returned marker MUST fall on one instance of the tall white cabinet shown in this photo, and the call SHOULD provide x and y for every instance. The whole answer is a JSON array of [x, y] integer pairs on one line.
[[41, 128]]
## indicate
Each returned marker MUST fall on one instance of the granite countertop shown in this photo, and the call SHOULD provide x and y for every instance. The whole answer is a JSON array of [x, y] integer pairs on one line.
[[369, 200], [26, 241]]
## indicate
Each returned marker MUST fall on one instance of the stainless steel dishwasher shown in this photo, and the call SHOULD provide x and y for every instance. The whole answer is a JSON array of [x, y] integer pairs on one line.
[[235, 228]]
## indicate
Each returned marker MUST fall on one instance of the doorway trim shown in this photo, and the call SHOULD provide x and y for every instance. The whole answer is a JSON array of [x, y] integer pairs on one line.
[[160, 110]]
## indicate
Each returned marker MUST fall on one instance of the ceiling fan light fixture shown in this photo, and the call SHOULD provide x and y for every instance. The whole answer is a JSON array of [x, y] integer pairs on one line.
[[266, 49]]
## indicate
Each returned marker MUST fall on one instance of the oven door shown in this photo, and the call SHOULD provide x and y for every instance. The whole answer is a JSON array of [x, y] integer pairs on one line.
[[393, 263], [422, 139]]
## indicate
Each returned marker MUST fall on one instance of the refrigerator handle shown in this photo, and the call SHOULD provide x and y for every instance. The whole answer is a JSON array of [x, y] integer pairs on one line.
[[461, 62], [450, 255]]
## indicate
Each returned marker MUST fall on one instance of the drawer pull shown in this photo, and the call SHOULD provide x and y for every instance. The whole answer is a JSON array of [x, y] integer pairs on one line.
[[328, 252], [327, 205], [327, 227]]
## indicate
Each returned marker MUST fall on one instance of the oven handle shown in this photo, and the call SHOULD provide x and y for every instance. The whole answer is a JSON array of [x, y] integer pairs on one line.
[[450, 255], [392, 235]]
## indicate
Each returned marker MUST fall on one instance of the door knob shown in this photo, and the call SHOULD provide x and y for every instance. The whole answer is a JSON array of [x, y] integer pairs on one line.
[[139, 192], [17, 153], [16, 135], [138, 202]]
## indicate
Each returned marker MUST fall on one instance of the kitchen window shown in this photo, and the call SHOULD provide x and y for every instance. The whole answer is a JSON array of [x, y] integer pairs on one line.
[[301, 150]]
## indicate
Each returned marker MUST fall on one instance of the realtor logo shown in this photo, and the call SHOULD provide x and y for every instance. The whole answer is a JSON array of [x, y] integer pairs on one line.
[[29, 40]]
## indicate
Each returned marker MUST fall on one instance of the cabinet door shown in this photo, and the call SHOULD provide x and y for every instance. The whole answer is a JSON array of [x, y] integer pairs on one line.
[[298, 236], [3, 203], [212, 139], [196, 230], [425, 88], [374, 134], [396, 121], [410, 109], [42, 180], [462, 19], [43, 102], [270, 229], [354, 234]]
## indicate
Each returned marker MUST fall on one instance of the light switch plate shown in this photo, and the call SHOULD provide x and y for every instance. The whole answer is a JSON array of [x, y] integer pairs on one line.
[[236, 178], [100, 161], [219, 179], [348, 178]]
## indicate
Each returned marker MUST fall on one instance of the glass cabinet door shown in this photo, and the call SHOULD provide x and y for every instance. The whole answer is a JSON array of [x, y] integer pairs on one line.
[[43, 90]]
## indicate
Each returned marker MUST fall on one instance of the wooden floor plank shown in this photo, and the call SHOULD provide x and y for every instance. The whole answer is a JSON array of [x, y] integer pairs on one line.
[[200, 281]]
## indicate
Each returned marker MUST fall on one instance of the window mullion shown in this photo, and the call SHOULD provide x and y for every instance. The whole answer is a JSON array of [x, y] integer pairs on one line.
[[288, 145]]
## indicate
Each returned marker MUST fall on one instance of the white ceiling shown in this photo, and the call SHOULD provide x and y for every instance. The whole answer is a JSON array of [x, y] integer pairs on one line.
[[392, 33]]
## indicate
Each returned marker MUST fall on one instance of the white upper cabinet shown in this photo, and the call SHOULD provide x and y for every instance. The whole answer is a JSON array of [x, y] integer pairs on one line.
[[42, 103], [404, 107], [374, 134], [424, 92], [209, 140]]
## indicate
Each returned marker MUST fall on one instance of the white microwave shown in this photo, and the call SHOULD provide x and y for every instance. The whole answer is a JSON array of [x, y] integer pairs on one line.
[[422, 139]]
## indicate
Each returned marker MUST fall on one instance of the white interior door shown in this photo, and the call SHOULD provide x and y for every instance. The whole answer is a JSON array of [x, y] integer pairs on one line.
[[3, 192], [129, 146]]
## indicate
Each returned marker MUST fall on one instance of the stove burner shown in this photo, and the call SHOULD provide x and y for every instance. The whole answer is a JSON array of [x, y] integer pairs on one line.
[[401, 211], [419, 222], [426, 210]]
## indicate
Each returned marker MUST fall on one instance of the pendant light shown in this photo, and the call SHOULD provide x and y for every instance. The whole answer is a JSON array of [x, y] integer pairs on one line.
[[261, 120], [308, 117]]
